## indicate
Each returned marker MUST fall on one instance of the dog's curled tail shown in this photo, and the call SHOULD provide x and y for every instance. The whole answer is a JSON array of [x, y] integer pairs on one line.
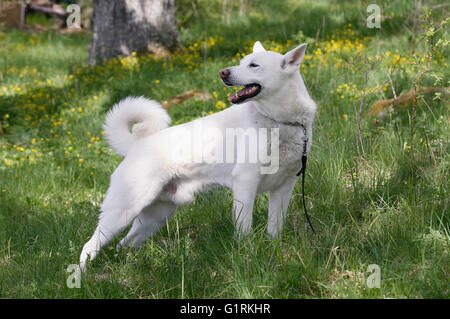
[[146, 116]]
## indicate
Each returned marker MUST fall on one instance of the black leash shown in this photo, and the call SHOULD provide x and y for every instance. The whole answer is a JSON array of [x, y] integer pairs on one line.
[[303, 173], [303, 170]]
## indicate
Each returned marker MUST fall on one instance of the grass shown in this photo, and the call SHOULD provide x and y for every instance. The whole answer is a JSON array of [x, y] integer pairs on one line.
[[387, 205]]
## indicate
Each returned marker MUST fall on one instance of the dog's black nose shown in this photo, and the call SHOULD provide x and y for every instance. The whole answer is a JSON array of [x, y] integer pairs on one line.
[[224, 73]]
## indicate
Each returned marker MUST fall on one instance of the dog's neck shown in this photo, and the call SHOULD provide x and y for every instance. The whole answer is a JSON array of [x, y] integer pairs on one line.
[[292, 104]]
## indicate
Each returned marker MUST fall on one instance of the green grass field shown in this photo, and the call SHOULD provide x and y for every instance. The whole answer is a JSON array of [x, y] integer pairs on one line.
[[385, 202]]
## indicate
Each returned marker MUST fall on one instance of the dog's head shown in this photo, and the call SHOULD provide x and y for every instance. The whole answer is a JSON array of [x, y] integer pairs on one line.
[[262, 72]]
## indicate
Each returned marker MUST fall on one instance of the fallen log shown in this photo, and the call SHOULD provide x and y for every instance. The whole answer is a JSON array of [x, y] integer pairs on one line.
[[379, 107], [198, 94], [49, 8]]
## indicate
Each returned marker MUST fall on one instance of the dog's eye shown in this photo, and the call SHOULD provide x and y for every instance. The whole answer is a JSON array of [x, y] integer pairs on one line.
[[253, 65]]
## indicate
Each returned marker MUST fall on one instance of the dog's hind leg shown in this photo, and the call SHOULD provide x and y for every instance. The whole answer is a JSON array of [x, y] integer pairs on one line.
[[120, 207], [148, 222]]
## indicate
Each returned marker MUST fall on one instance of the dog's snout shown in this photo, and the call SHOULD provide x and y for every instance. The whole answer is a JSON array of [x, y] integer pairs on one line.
[[224, 73]]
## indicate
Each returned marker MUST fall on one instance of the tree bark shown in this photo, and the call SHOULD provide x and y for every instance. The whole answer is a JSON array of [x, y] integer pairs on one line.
[[121, 27]]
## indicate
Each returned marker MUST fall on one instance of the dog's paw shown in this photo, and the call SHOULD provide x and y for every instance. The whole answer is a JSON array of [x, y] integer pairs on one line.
[[83, 259], [89, 252], [120, 246], [125, 243]]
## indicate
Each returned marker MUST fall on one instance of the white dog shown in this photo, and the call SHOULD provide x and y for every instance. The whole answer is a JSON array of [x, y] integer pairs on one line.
[[166, 166]]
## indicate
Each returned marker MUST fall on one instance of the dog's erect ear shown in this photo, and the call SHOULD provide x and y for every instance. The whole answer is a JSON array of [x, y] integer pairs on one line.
[[257, 47], [293, 59]]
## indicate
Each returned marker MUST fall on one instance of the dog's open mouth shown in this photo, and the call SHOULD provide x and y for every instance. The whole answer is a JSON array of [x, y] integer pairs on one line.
[[250, 90]]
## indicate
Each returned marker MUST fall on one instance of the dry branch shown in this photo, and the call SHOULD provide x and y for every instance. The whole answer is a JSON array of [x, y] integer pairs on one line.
[[380, 107], [49, 8], [198, 94]]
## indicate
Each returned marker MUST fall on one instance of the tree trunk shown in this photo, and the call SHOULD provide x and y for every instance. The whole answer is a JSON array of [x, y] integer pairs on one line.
[[121, 27]]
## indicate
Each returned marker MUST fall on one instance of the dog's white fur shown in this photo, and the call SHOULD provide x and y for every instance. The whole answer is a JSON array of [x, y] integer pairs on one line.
[[148, 185]]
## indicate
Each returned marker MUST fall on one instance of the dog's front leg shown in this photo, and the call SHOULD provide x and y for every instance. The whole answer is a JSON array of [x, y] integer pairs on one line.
[[245, 186], [278, 205]]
